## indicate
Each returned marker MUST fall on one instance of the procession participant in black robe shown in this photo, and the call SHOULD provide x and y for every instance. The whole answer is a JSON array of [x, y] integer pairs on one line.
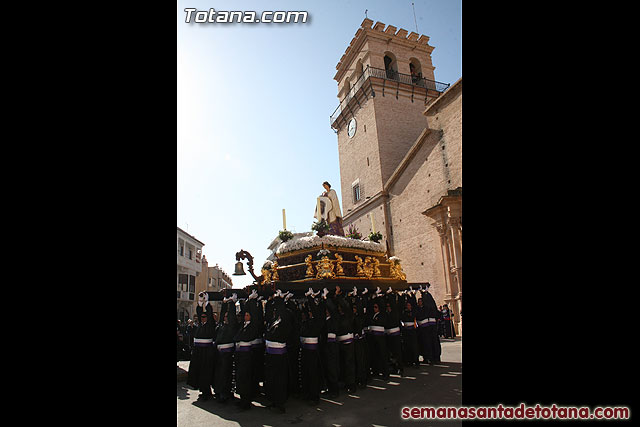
[[422, 322], [188, 334], [392, 331], [257, 345], [367, 304], [409, 333], [201, 366], [331, 356], [432, 347], [344, 336], [293, 345], [446, 322], [377, 320], [244, 363], [310, 330], [276, 362], [440, 322], [360, 349], [226, 330]]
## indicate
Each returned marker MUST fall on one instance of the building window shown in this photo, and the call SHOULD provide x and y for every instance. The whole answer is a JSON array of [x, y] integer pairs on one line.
[[183, 282], [178, 296], [191, 297], [190, 254], [181, 250], [356, 193]]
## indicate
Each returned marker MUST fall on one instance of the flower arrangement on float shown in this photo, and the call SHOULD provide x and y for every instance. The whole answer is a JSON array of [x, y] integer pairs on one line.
[[328, 240], [375, 236], [353, 233], [285, 235]]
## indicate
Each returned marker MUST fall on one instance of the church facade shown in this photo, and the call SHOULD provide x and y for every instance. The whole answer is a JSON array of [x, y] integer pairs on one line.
[[400, 149]]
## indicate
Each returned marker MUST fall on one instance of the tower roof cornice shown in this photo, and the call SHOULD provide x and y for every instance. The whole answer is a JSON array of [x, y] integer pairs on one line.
[[388, 34]]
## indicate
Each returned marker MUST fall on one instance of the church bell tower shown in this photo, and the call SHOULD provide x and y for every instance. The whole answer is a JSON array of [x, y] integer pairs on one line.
[[385, 81]]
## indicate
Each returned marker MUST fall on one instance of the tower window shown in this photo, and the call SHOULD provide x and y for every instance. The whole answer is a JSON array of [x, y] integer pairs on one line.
[[356, 193], [391, 66], [416, 72]]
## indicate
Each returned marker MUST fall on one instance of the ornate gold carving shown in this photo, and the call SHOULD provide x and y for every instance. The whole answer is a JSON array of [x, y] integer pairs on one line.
[[307, 261], [339, 270], [274, 271], [325, 269], [359, 267], [396, 270], [371, 267], [266, 274], [376, 268]]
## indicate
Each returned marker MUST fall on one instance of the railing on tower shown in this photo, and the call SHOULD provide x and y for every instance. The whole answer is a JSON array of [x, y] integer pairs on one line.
[[408, 79]]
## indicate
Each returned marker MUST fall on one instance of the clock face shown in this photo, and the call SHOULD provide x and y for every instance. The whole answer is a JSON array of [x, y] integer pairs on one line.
[[351, 130]]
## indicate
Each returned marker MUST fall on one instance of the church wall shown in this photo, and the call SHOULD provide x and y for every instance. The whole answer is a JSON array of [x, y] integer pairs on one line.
[[447, 117], [416, 241], [353, 154], [427, 177], [400, 122]]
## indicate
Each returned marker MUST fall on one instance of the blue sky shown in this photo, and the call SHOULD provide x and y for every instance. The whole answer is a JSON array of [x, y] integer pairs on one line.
[[254, 102]]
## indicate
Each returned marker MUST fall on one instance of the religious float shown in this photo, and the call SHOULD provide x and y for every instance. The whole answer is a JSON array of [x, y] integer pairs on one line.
[[325, 259]]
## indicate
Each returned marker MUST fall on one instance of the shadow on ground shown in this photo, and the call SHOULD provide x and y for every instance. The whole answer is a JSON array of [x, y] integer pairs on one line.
[[379, 404]]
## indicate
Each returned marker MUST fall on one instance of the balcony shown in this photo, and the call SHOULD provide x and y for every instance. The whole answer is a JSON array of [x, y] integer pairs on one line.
[[390, 80]]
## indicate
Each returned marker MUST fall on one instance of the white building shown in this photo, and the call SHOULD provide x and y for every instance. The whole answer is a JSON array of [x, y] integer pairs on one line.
[[189, 256], [218, 280]]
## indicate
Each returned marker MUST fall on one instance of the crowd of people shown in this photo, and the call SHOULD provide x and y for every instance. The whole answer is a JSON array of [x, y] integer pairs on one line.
[[326, 342]]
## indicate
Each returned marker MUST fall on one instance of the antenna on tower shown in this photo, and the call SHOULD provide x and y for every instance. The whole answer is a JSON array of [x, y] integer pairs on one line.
[[365, 13], [414, 16]]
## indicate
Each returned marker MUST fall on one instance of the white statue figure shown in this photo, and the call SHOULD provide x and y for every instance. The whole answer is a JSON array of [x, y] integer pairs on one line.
[[328, 208]]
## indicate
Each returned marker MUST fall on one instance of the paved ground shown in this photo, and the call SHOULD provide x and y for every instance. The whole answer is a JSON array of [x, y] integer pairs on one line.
[[377, 405]]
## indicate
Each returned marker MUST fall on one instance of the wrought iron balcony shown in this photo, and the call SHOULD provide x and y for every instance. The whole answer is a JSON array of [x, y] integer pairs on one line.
[[428, 87]]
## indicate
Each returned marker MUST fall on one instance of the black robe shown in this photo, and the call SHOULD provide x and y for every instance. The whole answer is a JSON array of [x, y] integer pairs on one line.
[[310, 360], [345, 342], [409, 332], [201, 366], [330, 350], [224, 364], [257, 347], [244, 363], [393, 332], [293, 347], [276, 361], [447, 323], [378, 343], [360, 348], [431, 340]]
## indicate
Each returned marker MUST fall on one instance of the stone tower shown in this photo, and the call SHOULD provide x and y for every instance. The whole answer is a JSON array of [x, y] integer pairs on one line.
[[385, 80]]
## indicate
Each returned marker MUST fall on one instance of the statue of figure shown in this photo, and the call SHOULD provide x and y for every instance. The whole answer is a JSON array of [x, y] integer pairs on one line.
[[328, 208]]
